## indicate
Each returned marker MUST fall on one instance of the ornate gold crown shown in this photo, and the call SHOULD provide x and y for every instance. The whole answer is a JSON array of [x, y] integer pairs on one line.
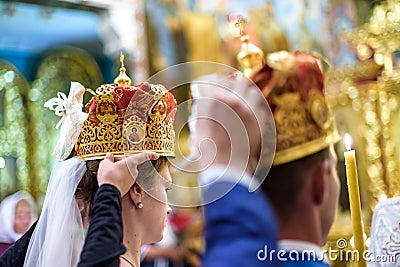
[[250, 57], [125, 119], [293, 84]]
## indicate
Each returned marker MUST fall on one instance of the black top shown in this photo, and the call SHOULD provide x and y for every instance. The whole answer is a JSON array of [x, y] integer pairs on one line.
[[103, 243]]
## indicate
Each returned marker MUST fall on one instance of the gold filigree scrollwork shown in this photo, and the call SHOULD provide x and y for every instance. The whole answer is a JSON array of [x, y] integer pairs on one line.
[[290, 114], [109, 129]]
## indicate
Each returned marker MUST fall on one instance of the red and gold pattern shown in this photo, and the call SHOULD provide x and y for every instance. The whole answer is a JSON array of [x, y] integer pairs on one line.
[[293, 84], [125, 119]]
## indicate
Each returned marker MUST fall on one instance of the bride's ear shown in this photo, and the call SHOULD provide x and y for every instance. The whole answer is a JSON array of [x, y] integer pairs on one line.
[[81, 204], [136, 194]]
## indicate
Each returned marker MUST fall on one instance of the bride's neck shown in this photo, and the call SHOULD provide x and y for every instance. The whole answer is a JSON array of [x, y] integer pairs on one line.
[[132, 239]]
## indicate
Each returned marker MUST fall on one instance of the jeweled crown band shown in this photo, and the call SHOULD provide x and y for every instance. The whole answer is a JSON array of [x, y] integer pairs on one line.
[[293, 84], [127, 120], [124, 119]]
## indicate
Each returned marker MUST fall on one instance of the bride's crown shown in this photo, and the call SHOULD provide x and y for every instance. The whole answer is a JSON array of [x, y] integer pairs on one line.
[[124, 119]]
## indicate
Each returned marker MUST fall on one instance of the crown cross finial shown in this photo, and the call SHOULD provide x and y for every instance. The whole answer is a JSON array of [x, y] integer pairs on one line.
[[122, 79], [250, 57], [240, 23], [236, 24], [121, 59]]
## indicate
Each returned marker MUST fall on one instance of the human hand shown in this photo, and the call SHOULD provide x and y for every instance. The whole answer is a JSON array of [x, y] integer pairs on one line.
[[122, 173], [177, 254]]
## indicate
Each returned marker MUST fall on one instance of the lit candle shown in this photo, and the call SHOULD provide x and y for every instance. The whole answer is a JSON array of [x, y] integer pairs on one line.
[[354, 198]]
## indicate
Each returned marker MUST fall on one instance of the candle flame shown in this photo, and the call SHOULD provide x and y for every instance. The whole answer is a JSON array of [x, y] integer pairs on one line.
[[382, 198], [366, 239], [347, 141]]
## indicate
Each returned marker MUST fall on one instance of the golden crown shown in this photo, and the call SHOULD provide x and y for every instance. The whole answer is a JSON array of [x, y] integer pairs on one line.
[[293, 84], [124, 119]]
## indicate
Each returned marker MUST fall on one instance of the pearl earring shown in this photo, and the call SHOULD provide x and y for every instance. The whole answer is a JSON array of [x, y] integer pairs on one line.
[[139, 205]]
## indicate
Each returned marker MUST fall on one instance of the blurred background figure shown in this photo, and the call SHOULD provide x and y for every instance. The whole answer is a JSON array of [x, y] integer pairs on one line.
[[181, 244], [17, 214], [165, 253]]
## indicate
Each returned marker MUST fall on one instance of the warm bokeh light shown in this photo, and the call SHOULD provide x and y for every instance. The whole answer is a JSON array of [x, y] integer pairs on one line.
[[2, 163]]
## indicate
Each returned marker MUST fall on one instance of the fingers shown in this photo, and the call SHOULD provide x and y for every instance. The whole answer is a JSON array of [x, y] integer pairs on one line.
[[142, 157], [109, 157], [136, 159], [113, 171], [107, 160]]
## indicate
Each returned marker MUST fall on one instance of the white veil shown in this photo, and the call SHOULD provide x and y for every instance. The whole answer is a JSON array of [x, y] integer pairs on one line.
[[59, 237]]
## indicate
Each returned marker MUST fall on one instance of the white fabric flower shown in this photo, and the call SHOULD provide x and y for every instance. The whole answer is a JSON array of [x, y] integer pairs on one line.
[[70, 109]]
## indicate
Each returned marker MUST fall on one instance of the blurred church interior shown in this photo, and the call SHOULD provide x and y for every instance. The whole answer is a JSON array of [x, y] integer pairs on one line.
[[44, 45]]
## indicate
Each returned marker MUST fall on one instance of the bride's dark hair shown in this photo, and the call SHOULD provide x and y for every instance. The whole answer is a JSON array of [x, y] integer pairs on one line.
[[88, 186]]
